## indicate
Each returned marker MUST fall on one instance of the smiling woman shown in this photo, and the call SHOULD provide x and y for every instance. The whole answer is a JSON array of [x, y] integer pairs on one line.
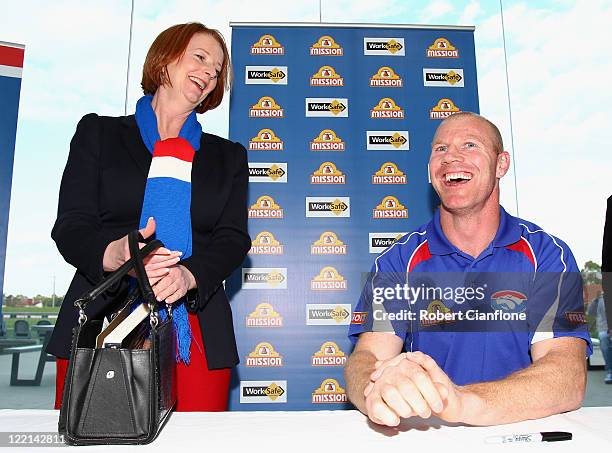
[[156, 170]]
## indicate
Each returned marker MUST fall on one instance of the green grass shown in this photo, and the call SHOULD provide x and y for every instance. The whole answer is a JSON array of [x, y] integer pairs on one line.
[[9, 323]]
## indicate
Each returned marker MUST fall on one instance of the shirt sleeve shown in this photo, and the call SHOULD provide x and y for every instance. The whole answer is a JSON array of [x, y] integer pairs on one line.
[[556, 306]]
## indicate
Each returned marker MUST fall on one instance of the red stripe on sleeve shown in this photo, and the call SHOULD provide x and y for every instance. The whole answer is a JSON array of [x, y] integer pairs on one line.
[[11, 56], [422, 254], [176, 147], [521, 246]]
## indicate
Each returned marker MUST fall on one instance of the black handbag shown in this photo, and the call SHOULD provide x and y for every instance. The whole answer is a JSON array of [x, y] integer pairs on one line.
[[119, 396]]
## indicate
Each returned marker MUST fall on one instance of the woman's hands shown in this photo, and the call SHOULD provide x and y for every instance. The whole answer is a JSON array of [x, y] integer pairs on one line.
[[170, 281]]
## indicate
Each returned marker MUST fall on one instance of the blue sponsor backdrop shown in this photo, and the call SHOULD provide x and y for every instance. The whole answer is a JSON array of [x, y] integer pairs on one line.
[[286, 51], [11, 58]]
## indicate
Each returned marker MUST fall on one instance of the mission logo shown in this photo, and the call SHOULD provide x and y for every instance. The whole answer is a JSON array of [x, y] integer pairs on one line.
[[384, 46], [266, 107], [328, 314], [443, 109], [387, 141], [389, 174], [386, 108], [386, 77], [327, 173], [443, 77], [390, 208], [266, 244], [328, 279], [264, 315], [442, 48], [327, 140], [265, 75], [265, 208], [326, 46], [328, 207], [267, 45], [328, 107], [329, 354], [263, 392], [266, 140], [329, 392], [264, 355], [326, 76], [328, 244]]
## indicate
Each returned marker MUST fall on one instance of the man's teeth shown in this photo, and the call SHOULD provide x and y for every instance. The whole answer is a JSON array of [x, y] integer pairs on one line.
[[199, 82], [460, 175]]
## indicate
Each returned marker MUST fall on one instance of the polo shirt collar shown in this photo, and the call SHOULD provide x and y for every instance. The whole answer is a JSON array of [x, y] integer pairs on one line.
[[508, 233]]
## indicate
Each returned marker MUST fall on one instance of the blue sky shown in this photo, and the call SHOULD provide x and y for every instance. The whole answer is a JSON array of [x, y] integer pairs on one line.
[[76, 60]]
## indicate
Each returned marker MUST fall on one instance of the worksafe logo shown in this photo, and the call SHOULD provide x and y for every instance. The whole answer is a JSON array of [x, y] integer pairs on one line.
[[265, 208], [267, 45], [389, 174], [266, 244], [328, 174], [508, 300], [386, 77], [387, 141], [265, 75], [328, 314], [328, 206], [326, 76], [326, 45], [268, 172], [329, 279], [263, 392], [379, 242], [264, 278], [390, 208], [444, 108], [387, 108], [329, 354], [329, 107], [438, 313], [266, 107], [327, 140], [328, 244], [264, 316], [329, 392], [266, 140], [264, 355], [443, 77], [384, 46], [442, 48]]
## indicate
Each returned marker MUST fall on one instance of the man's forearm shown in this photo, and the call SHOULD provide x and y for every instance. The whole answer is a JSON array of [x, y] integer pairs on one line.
[[551, 385], [357, 373]]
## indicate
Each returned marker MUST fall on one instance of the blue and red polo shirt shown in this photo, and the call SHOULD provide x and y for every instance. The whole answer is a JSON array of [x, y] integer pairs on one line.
[[524, 273]]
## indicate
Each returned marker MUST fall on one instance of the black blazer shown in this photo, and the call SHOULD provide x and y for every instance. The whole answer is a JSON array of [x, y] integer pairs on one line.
[[100, 201], [606, 262]]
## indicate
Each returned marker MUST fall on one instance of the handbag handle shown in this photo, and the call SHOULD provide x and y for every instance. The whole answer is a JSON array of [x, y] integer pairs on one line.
[[121, 272], [143, 281]]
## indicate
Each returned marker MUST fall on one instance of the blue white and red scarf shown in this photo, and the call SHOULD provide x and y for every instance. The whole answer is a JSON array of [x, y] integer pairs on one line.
[[167, 197]]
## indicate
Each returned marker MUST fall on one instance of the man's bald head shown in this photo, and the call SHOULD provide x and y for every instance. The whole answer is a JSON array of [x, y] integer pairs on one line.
[[495, 135]]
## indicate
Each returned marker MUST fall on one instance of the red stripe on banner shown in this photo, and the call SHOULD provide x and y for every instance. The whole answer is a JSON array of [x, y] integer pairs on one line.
[[176, 147], [521, 246], [11, 56], [422, 254]]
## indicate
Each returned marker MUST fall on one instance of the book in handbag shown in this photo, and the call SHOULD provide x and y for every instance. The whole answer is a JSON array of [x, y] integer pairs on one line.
[[119, 395]]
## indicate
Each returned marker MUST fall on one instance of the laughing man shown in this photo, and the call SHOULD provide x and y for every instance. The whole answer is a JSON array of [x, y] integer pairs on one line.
[[474, 377]]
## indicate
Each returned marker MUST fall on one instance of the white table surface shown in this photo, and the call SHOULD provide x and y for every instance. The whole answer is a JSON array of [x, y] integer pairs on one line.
[[336, 431]]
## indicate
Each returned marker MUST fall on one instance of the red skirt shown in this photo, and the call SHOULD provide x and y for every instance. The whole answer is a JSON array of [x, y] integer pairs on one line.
[[198, 389]]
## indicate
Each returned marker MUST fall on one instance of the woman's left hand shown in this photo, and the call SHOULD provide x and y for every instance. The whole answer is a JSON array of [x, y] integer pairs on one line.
[[174, 285]]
